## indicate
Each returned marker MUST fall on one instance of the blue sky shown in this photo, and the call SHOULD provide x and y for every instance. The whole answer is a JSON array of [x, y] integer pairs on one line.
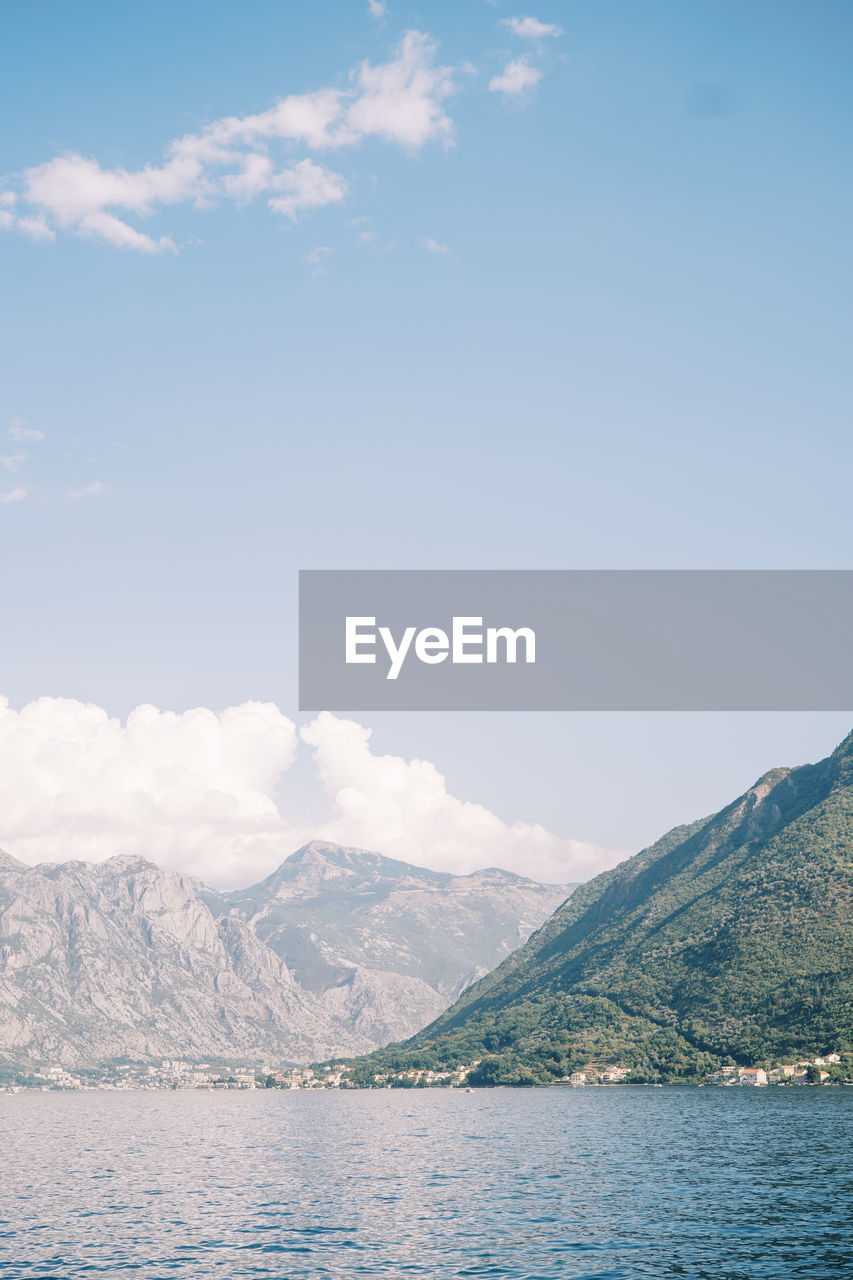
[[601, 322]]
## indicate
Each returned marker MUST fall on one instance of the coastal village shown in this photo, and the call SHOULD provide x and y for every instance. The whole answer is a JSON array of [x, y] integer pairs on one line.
[[815, 1071], [176, 1074]]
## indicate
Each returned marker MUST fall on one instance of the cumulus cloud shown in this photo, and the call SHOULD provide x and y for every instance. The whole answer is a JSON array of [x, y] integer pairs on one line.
[[307, 186], [517, 77], [433, 246], [13, 461], [402, 100], [242, 158], [531, 28], [192, 791], [377, 9], [197, 791], [403, 809]]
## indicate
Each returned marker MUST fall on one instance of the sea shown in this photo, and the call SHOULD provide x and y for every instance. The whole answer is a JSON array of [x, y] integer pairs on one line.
[[611, 1183]]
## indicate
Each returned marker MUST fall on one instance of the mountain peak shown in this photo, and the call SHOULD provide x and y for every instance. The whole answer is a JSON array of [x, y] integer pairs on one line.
[[323, 861], [844, 748], [318, 851], [124, 862]]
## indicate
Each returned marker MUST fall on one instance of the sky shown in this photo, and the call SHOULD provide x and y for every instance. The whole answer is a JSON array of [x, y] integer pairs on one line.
[[370, 285]]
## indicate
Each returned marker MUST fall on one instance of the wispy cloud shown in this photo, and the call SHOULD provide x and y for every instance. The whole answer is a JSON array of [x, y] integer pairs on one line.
[[36, 227], [93, 490], [531, 28], [433, 246], [318, 259], [238, 158], [19, 433], [19, 430], [377, 9], [516, 79]]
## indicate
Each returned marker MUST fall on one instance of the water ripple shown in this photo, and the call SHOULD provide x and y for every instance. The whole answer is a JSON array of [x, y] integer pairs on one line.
[[609, 1184]]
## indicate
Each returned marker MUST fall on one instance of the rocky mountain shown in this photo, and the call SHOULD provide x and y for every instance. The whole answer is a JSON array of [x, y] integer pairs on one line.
[[730, 939], [335, 953]]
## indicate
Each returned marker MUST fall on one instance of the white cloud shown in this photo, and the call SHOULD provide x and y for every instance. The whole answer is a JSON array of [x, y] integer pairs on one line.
[[254, 177], [399, 101], [197, 791], [191, 791], [13, 461], [377, 9], [308, 186], [36, 227], [106, 226], [517, 77], [19, 431], [13, 495], [433, 246], [93, 490], [403, 809], [318, 259], [532, 28], [402, 100]]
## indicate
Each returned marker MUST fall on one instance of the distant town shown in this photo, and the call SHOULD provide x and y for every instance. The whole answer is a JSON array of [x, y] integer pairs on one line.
[[816, 1071], [176, 1074]]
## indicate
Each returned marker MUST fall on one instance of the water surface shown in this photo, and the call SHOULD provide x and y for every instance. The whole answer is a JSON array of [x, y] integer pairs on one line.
[[614, 1183]]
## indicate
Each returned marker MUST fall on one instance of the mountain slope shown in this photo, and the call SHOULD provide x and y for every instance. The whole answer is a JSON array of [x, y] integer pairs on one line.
[[338, 915], [125, 959], [732, 937]]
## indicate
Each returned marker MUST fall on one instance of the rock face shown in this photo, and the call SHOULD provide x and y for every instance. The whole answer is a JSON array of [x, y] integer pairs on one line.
[[335, 953], [387, 944]]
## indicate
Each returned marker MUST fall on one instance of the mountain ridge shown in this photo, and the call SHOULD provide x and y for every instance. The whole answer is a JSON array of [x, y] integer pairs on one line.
[[730, 938], [125, 958]]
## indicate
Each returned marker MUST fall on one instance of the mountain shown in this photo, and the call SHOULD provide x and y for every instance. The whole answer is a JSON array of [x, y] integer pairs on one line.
[[337, 952], [729, 939], [374, 930]]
